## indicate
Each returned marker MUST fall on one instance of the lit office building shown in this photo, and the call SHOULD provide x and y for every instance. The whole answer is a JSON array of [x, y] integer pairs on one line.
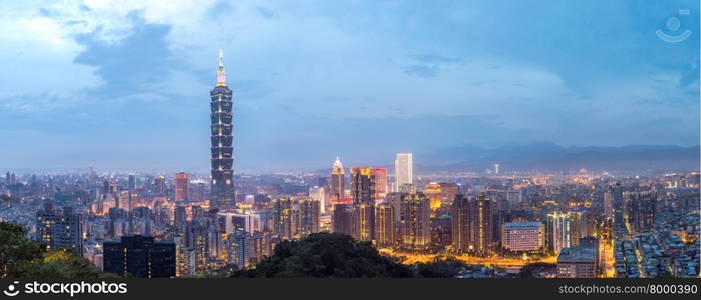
[[366, 221], [385, 224], [186, 262], [441, 194], [461, 222], [416, 227], [222, 184], [557, 232], [381, 184], [308, 217], [608, 204], [140, 256], [403, 170], [182, 187], [283, 217], [342, 218], [578, 226], [318, 193], [337, 183], [482, 209], [197, 237], [362, 185], [641, 210], [59, 230], [522, 236], [576, 262]]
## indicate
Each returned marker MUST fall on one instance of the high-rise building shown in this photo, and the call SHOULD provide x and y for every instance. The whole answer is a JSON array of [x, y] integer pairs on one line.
[[576, 262], [160, 185], [557, 232], [461, 222], [283, 217], [59, 230], [403, 170], [308, 220], [522, 236], [578, 225], [197, 237], [318, 193], [182, 187], [362, 185], [179, 216], [363, 195], [140, 256], [642, 207], [441, 194], [608, 204], [618, 211], [342, 219], [186, 262], [385, 224], [416, 227], [222, 193], [132, 182], [338, 179], [482, 209], [381, 184], [365, 218]]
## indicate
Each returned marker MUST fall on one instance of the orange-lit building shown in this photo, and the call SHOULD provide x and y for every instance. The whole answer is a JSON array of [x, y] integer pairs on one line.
[[182, 187]]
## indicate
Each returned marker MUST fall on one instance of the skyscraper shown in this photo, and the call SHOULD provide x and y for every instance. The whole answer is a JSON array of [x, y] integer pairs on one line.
[[403, 170], [132, 182], [578, 226], [140, 256], [59, 230], [283, 217], [416, 233], [362, 185], [380, 183], [363, 194], [557, 232], [182, 187], [384, 220], [160, 185], [308, 222], [222, 194], [461, 233], [337, 181], [343, 217], [482, 210], [608, 204]]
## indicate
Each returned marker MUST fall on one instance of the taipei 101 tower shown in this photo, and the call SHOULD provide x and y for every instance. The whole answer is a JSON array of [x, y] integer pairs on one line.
[[222, 196]]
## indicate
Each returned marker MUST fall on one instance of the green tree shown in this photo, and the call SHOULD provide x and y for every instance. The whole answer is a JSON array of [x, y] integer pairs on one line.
[[441, 268], [22, 258], [327, 255]]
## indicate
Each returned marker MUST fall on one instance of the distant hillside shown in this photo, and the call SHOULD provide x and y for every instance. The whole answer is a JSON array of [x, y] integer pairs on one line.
[[552, 157]]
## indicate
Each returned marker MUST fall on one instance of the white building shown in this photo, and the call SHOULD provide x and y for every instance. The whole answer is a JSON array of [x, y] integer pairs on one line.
[[522, 236], [403, 170]]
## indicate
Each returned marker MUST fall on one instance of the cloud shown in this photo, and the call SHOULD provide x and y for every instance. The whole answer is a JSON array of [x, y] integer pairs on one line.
[[135, 64], [421, 71], [133, 75]]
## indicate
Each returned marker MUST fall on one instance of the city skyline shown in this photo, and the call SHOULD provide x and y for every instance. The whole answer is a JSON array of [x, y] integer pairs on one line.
[[489, 83]]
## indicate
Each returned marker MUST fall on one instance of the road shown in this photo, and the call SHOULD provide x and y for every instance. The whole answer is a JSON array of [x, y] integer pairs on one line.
[[411, 258]]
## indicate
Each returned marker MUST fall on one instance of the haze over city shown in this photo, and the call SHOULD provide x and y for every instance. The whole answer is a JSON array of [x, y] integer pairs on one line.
[[123, 87]]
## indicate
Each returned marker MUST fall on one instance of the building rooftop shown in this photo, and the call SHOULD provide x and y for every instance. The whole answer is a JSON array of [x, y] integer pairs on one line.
[[522, 225], [577, 254]]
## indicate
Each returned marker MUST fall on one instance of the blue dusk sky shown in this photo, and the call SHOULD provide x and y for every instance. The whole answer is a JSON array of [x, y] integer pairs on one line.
[[124, 85]]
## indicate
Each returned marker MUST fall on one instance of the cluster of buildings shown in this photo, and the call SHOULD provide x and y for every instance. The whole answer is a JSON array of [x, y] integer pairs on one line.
[[188, 224]]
